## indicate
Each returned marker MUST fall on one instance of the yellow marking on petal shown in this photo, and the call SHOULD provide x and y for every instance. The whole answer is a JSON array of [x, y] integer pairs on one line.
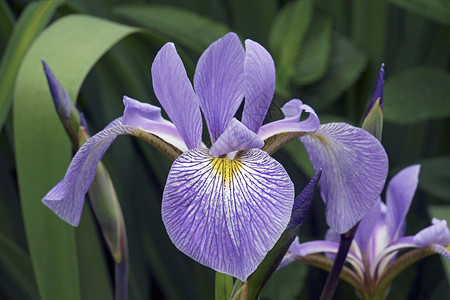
[[226, 168], [322, 139]]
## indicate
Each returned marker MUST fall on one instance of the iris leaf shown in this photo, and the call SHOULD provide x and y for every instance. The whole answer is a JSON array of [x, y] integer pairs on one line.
[[42, 147], [435, 177], [35, 16], [17, 265], [417, 94], [346, 65], [437, 10], [315, 54], [186, 28]]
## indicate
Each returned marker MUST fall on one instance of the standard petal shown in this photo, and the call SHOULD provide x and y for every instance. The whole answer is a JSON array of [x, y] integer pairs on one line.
[[148, 117], [354, 168], [259, 70], [235, 137], [291, 123], [176, 95], [365, 235], [227, 214], [399, 195], [438, 233], [66, 199], [219, 82]]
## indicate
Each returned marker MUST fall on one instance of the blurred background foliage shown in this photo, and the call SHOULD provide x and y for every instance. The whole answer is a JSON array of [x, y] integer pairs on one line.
[[327, 53]]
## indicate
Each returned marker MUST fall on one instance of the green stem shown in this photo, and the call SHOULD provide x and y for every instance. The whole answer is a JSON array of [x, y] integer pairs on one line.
[[223, 286]]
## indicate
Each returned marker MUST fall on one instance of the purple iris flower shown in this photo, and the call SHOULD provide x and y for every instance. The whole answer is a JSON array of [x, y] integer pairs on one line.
[[227, 206], [380, 235]]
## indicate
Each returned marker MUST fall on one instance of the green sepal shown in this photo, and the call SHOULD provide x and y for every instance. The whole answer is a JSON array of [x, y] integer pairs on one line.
[[373, 122]]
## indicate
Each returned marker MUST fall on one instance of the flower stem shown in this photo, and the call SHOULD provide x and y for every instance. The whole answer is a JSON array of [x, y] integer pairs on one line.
[[333, 276]]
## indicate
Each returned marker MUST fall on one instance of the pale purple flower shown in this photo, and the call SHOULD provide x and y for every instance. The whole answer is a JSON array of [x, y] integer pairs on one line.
[[380, 235], [226, 206]]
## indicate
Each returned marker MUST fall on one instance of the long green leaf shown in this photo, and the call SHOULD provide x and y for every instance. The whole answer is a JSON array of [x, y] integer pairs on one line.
[[29, 25], [18, 266], [187, 28], [71, 47], [346, 65], [437, 10], [435, 176], [315, 54], [417, 94], [286, 36]]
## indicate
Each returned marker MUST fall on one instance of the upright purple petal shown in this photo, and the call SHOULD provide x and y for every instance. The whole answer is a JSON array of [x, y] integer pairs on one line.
[[174, 91], [148, 117], [219, 82], [259, 70], [365, 236], [227, 214], [66, 199], [399, 195], [354, 168], [291, 123], [235, 137]]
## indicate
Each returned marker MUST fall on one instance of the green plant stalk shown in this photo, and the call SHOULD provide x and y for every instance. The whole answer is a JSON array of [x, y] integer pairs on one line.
[[223, 286]]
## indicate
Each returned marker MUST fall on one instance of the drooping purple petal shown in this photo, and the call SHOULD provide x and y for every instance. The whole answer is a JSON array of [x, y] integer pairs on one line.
[[259, 70], [354, 168], [66, 199], [176, 95], [235, 137], [148, 117], [219, 82], [227, 214], [438, 233], [399, 195], [291, 123]]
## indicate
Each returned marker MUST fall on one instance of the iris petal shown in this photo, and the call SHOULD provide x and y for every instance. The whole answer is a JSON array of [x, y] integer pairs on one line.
[[291, 123], [219, 82], [148, 117], [354, 168], [399, 195], [235, 137], [66, 199], [438, 233], [176, 95], [259, 70], [227, 214]]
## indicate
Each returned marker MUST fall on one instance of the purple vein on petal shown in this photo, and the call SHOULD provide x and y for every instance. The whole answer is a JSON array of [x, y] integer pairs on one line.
[[354, 168], [227, 214], [219, 82], [176, 95]]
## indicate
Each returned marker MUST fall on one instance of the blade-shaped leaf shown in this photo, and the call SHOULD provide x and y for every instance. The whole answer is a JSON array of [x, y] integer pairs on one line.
[[436, 10], [435, 177], [287, 35], [417, 94], [315, 54], [186, 28], [346, 65], [27, 28], [42, 147], [18, 266]]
